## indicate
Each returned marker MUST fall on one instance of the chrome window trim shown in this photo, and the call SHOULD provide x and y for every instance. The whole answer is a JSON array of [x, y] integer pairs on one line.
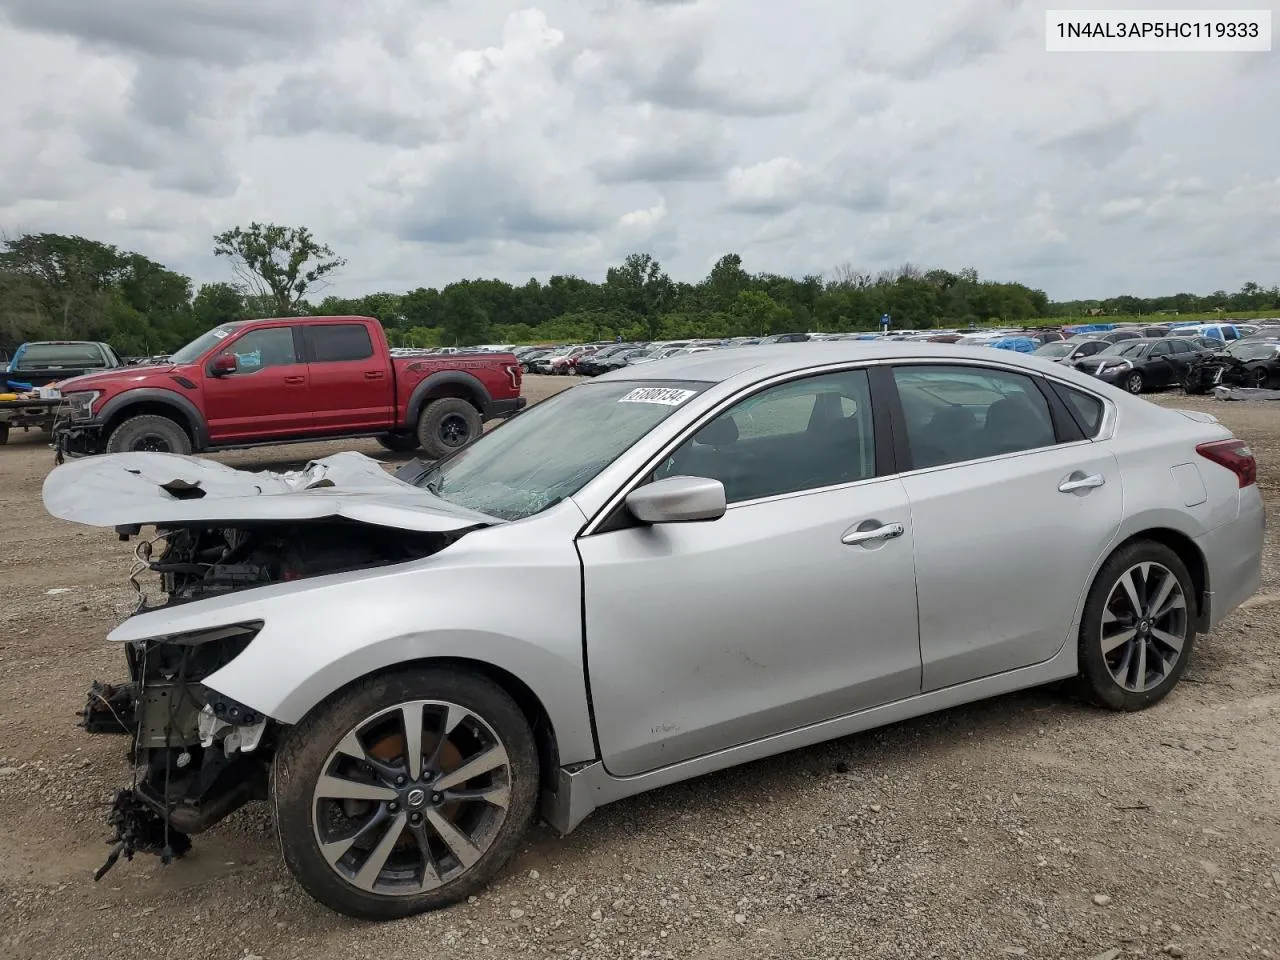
[[1105, 430]]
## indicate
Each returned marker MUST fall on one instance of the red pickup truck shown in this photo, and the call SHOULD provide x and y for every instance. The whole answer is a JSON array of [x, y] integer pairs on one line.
[[287, 380]]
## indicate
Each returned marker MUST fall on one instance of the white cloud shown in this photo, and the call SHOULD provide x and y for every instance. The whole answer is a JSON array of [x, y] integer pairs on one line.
[[644, 220], [434, 140], [771, 186]]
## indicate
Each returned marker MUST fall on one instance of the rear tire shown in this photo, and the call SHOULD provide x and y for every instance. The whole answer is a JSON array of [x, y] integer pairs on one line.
[[149, 433], [447, 425], [1131, 657], [399, 442], [486, 719], [4, 434]]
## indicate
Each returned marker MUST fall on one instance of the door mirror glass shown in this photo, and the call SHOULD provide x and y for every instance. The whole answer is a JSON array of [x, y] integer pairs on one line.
[[224, 364], [678, 500]]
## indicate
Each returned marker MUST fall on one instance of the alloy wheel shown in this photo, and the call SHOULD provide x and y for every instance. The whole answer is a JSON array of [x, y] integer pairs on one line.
[[1144, 626], [412, 798], [1134, 383], [152, 443], [454, 431]]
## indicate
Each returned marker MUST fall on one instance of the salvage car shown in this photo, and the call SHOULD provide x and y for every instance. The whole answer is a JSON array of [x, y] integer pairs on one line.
[[1144, 364], [1244, 363], [408, 667]]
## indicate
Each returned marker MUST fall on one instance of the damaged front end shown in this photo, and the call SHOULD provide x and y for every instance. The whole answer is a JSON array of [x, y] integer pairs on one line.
[[191, 767], [199, 755]]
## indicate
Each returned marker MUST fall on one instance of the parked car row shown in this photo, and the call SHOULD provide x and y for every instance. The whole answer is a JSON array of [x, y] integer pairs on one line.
[[1195, 362], [1066, 344]]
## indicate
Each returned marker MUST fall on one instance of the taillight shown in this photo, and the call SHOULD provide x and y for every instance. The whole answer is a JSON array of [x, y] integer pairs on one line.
[[1235, 455]]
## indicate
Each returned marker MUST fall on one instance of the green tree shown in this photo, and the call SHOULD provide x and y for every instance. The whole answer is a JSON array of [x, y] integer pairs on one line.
[[463, 321], [279, 264], [755, 314]]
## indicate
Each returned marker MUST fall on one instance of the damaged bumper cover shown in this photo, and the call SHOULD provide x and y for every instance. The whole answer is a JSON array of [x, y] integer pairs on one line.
[[75, 440]]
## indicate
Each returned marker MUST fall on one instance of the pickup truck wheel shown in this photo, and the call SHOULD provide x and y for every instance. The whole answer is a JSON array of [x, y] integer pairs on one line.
[[399, 442], [149, 433], [447, 424], [405, 793]]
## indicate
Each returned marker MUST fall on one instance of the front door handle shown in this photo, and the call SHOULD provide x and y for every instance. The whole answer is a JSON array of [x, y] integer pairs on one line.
[[373, 374], [295, 379], [1078, 481], [865, 534]]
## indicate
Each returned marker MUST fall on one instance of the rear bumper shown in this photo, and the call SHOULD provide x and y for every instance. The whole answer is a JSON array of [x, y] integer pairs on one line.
[[1233, 556], [498, 409]]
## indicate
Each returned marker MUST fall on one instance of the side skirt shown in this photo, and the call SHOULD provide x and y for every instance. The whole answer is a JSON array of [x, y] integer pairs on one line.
[[580, 789]]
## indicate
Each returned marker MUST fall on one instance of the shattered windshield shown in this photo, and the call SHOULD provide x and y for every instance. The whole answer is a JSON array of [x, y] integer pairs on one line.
[[551, 450]]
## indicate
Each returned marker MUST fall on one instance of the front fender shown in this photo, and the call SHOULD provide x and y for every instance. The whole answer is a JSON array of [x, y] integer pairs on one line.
[[182, 408], [509, 596]]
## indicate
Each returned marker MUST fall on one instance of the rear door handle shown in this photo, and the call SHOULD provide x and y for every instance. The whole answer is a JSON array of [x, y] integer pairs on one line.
[[373, 374], [295, 379], [864, 534], [1078, 481]]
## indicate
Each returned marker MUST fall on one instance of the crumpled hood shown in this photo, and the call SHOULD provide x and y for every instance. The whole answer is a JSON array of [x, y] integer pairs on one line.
[[160, 488]]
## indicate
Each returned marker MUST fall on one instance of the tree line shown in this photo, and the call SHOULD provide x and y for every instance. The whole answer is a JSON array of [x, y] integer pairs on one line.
[[68, 287]]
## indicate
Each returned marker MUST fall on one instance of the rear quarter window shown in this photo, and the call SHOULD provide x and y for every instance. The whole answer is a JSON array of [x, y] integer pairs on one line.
[[1086, 408]]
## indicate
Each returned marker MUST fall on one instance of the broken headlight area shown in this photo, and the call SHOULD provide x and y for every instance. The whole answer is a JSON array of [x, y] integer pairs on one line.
[[195, 562], [197, 754]]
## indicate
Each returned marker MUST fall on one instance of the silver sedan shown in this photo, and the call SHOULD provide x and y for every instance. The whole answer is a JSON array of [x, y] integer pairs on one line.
[[672, 569]]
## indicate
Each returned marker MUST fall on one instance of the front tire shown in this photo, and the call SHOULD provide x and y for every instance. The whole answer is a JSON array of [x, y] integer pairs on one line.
[[405, 793], [148, 434], [446, 425], [1134, 383], [1138, 628]]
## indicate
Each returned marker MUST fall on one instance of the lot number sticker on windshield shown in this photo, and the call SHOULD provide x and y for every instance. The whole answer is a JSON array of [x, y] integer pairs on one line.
[[667, 396]]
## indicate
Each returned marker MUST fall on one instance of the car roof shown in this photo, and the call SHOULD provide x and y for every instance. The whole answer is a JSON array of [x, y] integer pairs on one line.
[[717, 366]]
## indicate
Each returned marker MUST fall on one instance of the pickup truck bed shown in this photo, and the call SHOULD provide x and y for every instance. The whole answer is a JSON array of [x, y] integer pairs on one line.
[[26, 414]]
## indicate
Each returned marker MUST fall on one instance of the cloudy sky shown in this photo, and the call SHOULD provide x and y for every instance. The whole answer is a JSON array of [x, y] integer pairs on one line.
[[430, 140]]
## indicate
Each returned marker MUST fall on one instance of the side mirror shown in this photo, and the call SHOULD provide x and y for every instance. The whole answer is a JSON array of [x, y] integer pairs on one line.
[[678, 500], [224, 364]]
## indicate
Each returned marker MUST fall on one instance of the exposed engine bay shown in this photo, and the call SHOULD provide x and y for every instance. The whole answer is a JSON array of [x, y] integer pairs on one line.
[[198, 755]]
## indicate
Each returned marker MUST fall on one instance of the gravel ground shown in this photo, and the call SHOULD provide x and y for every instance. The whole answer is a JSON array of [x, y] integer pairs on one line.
[[1026, 826]]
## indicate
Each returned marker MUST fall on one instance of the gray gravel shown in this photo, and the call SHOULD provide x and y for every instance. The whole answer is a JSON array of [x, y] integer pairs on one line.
[[1027, 826]]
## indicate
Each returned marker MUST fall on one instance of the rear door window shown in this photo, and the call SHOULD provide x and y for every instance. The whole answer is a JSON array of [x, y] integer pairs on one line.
[[339, 342], [954, 414]]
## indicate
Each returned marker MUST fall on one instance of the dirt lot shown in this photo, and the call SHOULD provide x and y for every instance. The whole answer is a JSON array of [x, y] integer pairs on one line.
[[1025, 826]]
